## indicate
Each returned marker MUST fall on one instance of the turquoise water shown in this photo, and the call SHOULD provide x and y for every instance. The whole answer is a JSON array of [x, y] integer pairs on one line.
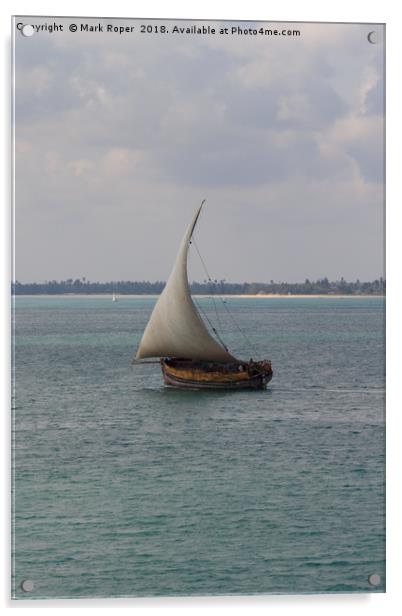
[[123, 487]]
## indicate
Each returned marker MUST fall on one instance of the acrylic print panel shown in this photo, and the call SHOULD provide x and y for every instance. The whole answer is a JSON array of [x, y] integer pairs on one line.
[[212, 478]]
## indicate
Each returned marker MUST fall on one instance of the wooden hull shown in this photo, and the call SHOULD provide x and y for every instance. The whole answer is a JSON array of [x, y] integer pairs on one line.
[[188, 374]]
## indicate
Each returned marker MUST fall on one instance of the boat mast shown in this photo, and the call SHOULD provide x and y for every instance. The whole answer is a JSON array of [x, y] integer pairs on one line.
[[175, 328]]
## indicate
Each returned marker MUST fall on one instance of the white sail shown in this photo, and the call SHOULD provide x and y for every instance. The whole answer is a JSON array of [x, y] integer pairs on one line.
[[175, 328]]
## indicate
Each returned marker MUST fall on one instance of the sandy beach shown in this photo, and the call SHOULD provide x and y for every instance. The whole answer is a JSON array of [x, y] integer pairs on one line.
[[257, 296], [297, 296]]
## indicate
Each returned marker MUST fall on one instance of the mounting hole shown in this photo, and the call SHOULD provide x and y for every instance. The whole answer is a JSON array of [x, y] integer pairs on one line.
[[372, 37], [374, 579], [27, 30], [27, 585]]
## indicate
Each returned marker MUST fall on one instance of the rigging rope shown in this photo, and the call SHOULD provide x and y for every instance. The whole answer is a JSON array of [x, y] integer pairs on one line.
[[250, 345], [212, 284], [198, 306]]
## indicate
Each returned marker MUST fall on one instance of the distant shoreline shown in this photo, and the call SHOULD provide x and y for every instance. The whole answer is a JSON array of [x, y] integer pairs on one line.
[[301, 296], [243, 296]]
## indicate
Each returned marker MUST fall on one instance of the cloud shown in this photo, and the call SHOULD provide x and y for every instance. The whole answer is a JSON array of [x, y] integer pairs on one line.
[[123, 135]]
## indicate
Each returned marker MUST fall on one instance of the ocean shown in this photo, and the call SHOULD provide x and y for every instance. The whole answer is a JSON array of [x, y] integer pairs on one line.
[[123, 487]]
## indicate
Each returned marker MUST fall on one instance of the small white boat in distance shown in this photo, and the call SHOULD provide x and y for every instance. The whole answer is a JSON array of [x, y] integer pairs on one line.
[[114, 298]]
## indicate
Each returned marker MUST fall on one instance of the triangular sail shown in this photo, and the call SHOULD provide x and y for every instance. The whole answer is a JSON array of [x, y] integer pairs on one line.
[[175, 328]]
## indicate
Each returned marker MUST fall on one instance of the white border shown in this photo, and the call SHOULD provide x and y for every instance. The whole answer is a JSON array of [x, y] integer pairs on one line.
[[292, 10]]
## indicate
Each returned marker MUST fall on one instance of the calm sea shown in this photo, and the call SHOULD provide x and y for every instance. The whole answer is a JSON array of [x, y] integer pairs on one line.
[[123, 487]]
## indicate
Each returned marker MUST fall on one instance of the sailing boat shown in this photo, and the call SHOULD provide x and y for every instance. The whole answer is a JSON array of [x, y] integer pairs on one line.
[[114, 298], [190, 356]]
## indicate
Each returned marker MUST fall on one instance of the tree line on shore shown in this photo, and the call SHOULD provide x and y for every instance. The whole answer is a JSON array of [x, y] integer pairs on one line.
[[83, 286]]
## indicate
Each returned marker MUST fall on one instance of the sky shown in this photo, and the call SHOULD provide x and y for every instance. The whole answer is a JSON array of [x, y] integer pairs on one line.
[[118, 139]]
